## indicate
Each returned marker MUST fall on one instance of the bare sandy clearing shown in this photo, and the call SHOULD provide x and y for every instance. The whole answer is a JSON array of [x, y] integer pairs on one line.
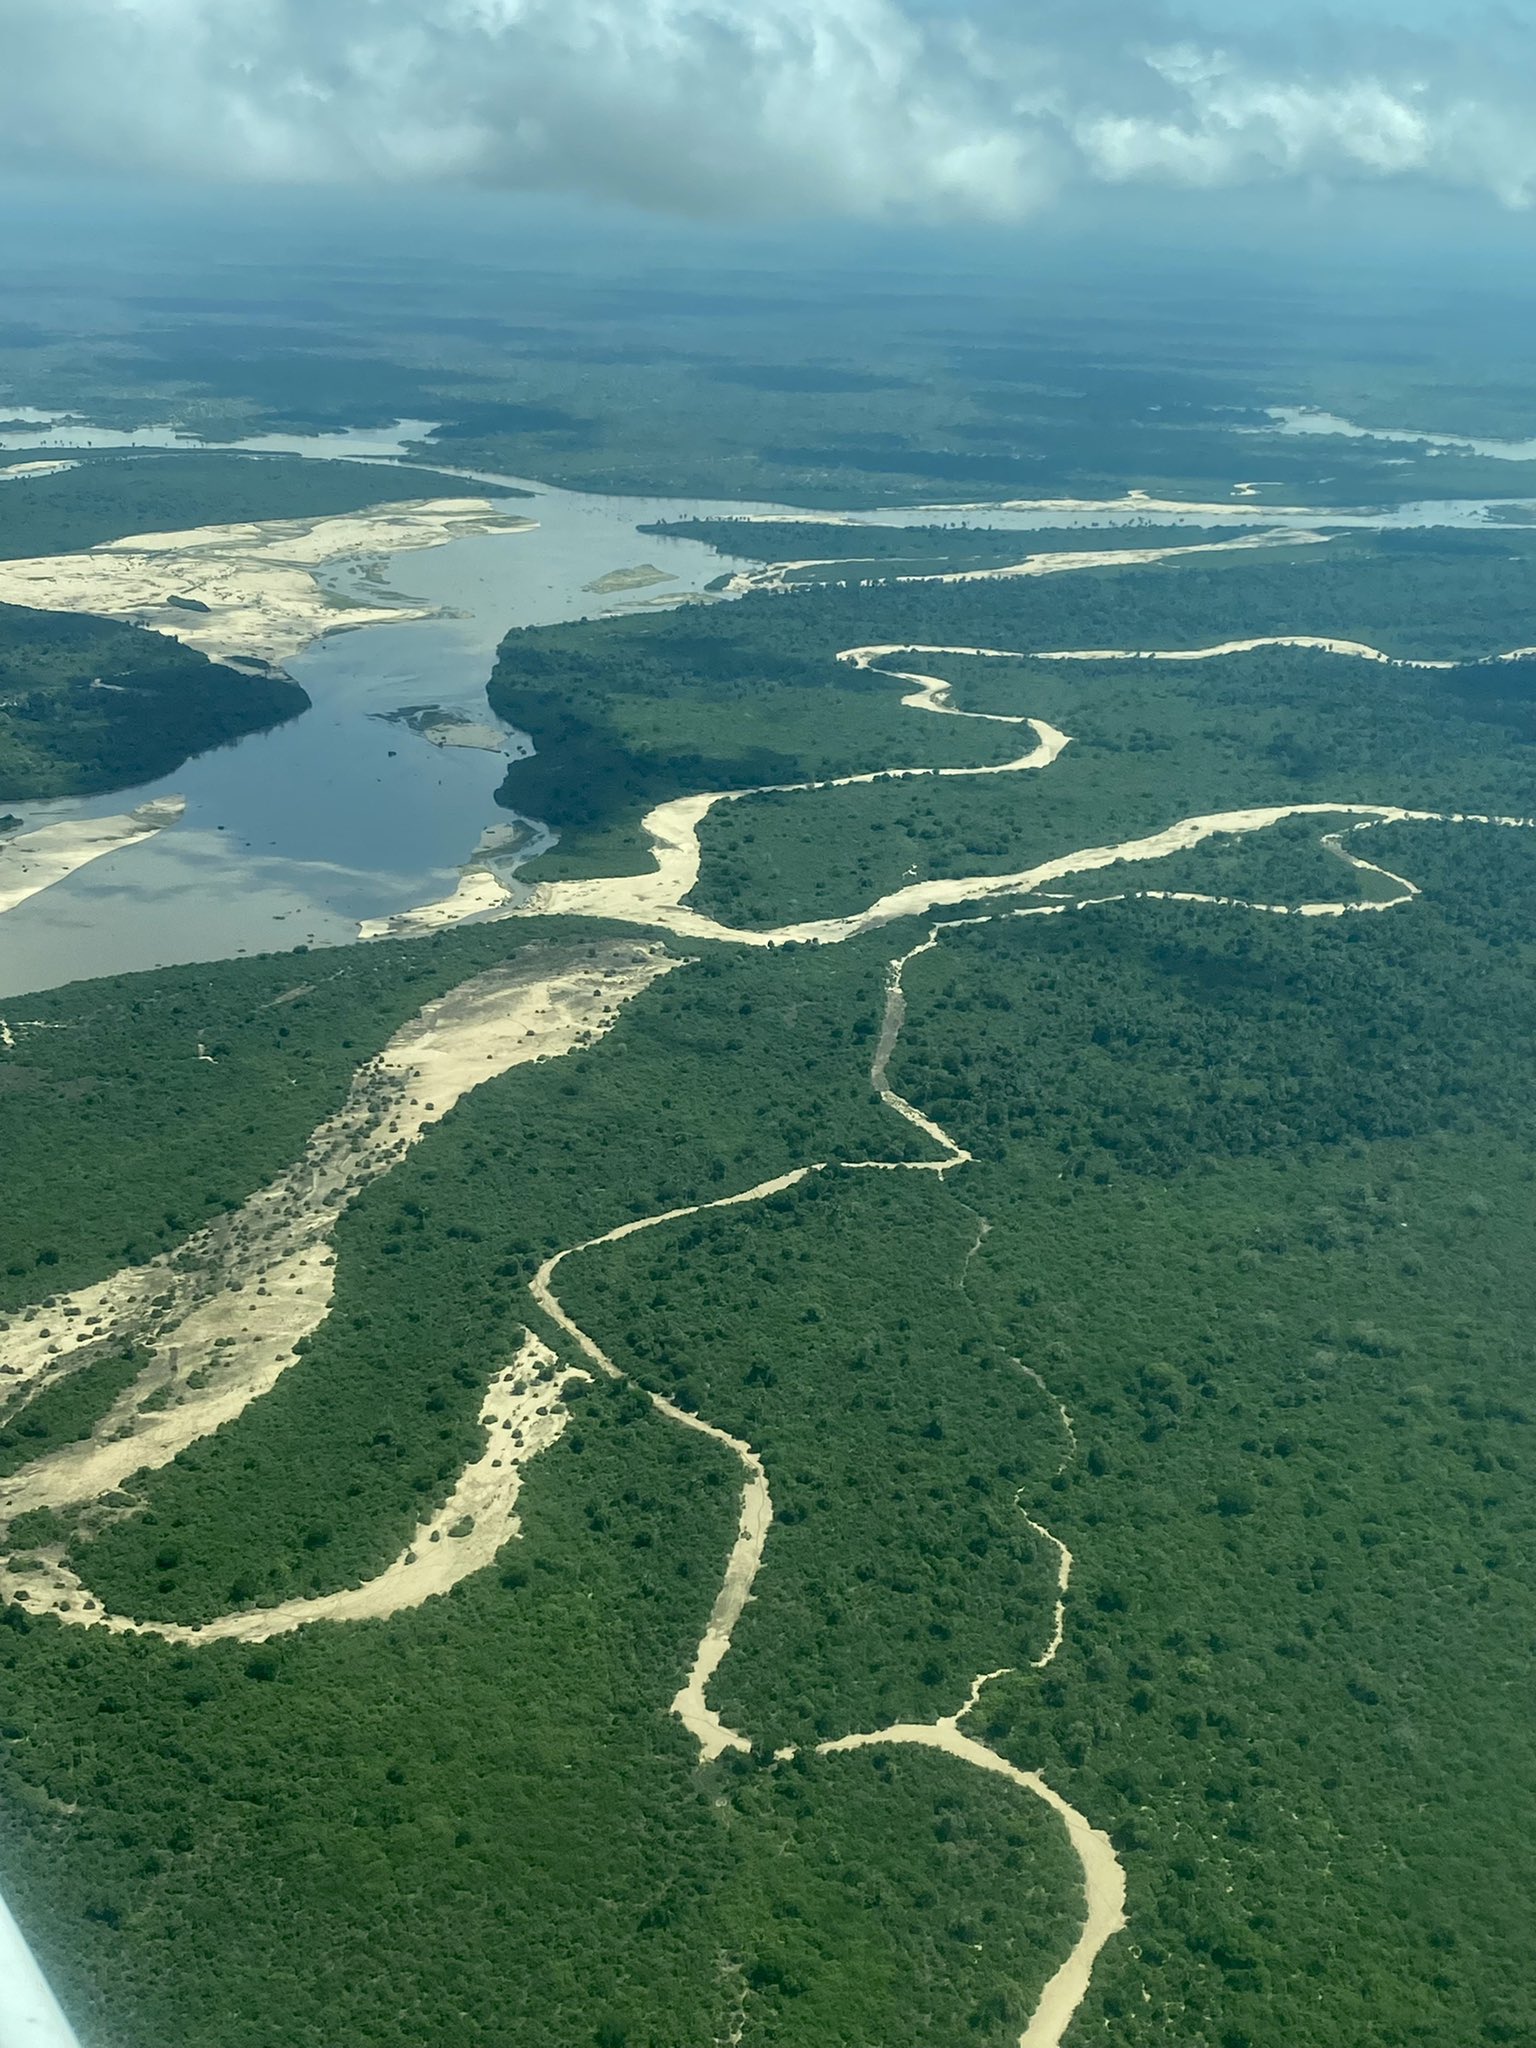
[[30, 861], [24, 472], [254, 582]]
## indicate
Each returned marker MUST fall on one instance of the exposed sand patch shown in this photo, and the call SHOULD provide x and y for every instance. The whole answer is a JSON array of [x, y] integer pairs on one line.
[[221, 1315], [482, 739], [1122, 558], [30, 861], [255, 583], [524, 1414], [779, 576], [440, 727], [1132, 501]]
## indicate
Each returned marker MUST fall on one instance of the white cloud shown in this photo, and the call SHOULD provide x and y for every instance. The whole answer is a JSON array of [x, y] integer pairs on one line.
[[966, 108]]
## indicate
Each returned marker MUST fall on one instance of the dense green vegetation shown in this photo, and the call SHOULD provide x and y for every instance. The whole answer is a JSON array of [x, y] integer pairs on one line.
[[382, 1412], [1251, 1196], [628, 712], [851, 1360], [936, 1902], [486, 1828], [1262, 1230], [109, 497], [1151, 742], [88, 704], [1258, 1192]]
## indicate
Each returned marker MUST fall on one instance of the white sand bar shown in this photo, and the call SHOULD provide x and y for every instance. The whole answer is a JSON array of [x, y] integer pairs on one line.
[[30, 861], [28, 472], [479, 890], [255, 583]]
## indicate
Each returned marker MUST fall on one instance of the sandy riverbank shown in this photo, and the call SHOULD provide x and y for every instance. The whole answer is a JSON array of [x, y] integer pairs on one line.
[[778, 576], [479, 890]]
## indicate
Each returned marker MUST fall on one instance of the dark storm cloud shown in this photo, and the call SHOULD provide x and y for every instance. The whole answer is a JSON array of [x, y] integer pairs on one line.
[[980, 109]]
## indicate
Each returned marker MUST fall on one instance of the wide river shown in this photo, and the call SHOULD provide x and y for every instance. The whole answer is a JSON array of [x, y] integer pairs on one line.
[[292, 837]]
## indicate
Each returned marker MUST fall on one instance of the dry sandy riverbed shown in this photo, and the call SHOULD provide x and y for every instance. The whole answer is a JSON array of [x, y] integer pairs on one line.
[[221, 1315], [524, 1414]]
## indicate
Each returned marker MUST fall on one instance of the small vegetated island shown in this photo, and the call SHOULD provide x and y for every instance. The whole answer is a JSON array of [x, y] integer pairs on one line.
[[897, 1413]]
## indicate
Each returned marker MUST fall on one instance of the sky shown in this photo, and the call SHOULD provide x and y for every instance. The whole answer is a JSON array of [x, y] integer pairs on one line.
[[981, 111]]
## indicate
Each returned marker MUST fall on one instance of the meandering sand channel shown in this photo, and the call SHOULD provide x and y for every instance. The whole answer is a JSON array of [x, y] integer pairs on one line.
[[660, 898]]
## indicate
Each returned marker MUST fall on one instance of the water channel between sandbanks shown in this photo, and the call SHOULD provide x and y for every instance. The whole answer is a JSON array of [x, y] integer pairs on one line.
[[294, 836]]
